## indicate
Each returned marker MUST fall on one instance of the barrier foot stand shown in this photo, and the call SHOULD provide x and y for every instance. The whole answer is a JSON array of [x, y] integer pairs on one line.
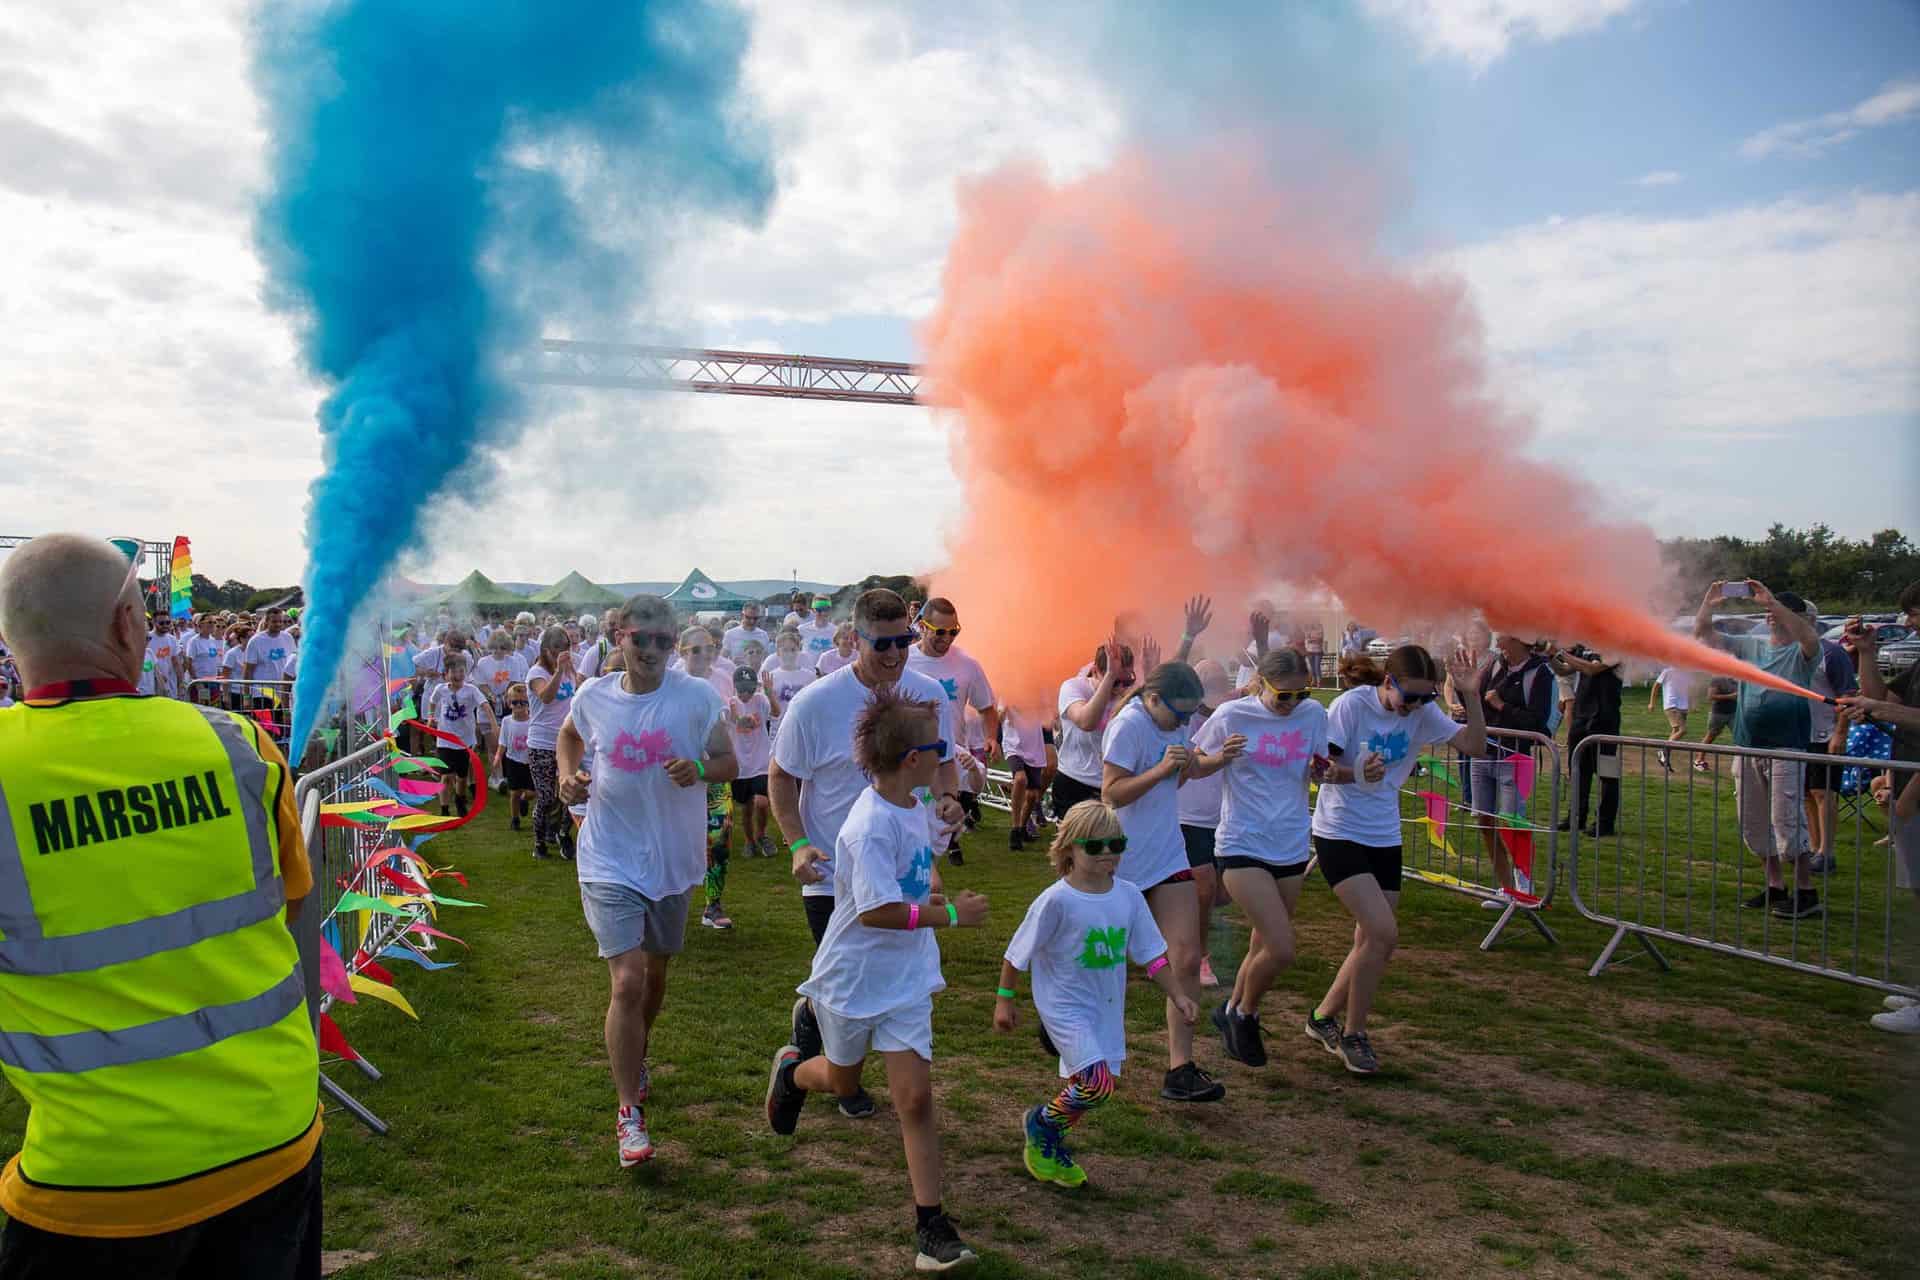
[[1620, 934], [353, 1106], [367, 1068], [1506, 917]]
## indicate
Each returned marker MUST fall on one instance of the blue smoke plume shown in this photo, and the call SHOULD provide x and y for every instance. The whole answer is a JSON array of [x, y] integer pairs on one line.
[[439, 171]]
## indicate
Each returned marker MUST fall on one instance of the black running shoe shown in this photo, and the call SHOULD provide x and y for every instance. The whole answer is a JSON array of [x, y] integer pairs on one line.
[[857, 1105], [1768, 897], [806, 1029], [940, 1247], [1357, 1052], [785, 1099], [1246, 1035], [1188, 1083], [513, 823], [1799, 906], [566, 845], [1016, 841], [957, 860], [1325, 1032], [1223, 1023]]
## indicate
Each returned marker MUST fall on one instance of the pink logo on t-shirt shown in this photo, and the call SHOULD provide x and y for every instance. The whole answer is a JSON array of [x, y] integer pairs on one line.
[[1289, 748], [653, 748]]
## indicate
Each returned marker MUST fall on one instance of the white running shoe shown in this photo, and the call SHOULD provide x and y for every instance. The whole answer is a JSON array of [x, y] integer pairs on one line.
[[1903, 1022], [1897, 1003], [631, 1128]]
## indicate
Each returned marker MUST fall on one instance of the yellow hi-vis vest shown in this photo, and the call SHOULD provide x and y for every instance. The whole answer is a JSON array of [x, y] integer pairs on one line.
[[152, 1012]]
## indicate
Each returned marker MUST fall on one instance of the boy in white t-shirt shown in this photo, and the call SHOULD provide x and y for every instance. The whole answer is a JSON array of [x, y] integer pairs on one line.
[[1076, 939], [877, 968], [510, 756], [1674, 688], [747, 713], [460, 709]]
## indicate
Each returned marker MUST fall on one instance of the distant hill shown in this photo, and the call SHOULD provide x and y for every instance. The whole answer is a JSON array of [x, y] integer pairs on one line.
[[755, 587]]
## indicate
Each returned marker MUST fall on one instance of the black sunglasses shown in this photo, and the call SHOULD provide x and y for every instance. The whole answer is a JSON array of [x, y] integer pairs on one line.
[[883, 643], [1412, 699], [661, 640], [1115, 845]]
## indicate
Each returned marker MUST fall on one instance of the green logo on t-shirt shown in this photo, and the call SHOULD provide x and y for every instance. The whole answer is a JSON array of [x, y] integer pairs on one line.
[[1105, 948]]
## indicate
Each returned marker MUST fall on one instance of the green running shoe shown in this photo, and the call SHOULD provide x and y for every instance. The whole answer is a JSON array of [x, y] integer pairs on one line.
[[1047, 1156]]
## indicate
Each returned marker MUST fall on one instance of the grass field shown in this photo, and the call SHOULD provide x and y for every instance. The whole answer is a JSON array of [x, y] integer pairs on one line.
[[1721, 1120]]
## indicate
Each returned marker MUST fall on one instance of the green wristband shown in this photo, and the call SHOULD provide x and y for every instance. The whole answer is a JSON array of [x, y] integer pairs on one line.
[[1007, 993], [798, 845], [953, 916], [700, 767]]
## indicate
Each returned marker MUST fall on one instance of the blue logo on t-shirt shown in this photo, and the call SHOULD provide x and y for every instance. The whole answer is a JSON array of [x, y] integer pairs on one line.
[[1392, 747], [952, 687], [566, 689], [918, 882], [456, 711], [276, 654]]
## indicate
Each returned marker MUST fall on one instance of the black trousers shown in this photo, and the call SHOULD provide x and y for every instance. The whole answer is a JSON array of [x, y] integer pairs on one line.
[[1583, 770], [274, 1236]]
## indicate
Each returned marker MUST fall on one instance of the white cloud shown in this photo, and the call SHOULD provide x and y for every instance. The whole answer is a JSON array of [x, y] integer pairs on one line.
[[1659, 178], [1650, 330], [1898, 100], [1480, 32]]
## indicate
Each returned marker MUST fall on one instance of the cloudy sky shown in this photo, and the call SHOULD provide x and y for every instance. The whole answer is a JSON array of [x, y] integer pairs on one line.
[[1691, 228]]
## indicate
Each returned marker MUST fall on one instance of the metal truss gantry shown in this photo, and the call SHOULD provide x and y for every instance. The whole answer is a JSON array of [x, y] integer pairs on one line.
[[566, 363]]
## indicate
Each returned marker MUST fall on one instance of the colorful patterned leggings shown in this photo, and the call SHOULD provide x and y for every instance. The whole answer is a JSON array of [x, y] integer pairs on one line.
[[549, 815], [1084, 1091]]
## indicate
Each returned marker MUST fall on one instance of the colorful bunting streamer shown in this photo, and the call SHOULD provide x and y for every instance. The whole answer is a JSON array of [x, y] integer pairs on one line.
[[333, 973], [353, 901], [332, 1041], [180, 601], [381, 991]]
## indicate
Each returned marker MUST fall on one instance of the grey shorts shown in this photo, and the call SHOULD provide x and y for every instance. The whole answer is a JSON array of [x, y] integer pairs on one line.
[[1906, 850], [1496, 789], [622, 919]]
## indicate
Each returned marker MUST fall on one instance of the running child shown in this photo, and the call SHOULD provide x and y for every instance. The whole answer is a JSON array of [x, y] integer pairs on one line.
[[1262, 842], [510, 754], [878, 967], [1023, 743], [843, 652], [747, 713], [1076, 939], [460, 709]]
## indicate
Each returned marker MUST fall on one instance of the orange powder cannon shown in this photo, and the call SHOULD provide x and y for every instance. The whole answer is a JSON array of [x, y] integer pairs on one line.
[[1195, 375]]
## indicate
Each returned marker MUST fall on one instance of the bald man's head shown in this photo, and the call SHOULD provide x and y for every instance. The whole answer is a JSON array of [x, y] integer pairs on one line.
[[68, 605]]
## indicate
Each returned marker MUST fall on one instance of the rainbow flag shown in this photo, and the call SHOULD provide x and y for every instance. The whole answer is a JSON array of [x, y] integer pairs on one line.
[[182, 578]]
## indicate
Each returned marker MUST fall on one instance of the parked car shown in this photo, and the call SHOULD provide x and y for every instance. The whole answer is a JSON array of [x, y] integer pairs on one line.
[[1899, 644]]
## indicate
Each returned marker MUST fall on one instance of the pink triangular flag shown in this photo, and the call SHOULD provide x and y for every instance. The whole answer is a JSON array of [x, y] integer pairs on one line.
[[1436, 813], [333, 973], [1523, 771]]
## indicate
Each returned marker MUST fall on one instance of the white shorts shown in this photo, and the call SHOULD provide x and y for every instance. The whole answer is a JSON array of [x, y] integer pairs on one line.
[[908, 1029]]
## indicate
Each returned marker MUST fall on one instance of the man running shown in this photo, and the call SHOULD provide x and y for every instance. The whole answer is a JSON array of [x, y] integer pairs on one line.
[[658, 738], [815, 746], [939, 658], [734, 643]]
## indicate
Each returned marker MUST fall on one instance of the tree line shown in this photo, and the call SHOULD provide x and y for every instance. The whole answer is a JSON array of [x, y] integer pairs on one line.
[[1840, 575]]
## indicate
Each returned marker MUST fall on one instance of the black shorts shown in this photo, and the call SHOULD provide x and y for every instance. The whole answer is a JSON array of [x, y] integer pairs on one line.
[[1046, 736], [819, 910], [1068, 792], [1279, 871], [1199, 845], [1344, 859], [1035, 773], [1820, 777], [745, 789], [454, 758], [519, 775]]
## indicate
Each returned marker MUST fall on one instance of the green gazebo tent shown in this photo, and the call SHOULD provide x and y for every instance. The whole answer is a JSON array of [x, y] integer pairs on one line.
[[478, 591], [576, 591], [701, 594]]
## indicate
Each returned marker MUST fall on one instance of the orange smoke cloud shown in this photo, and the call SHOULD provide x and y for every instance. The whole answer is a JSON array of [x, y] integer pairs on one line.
[[1189, 377]]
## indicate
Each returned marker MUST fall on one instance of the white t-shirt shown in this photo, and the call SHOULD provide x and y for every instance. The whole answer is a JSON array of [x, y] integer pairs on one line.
[[495, 675], [815, 639], [884, 854], [815, 744], [965, 682], [513, 738], [1155, 848], [548, 716], [1263, 810], [734, 642], [643, 830], [586, 659], [232, 664], [1675, 690], [163, 650], [456, 711], [203, 656], [1021, 737], [1200, 798], [831, 661], [1079, 749], [783, 683], [1076, 945], [270, 655], [752, 743], [1369, 812]]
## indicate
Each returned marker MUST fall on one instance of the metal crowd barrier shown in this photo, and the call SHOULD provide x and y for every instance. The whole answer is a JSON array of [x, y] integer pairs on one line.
[[335, 853], [1452, 853], [1676, 868]]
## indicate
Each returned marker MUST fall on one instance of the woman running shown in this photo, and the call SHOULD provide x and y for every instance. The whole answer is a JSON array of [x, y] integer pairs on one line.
[[552, 681], [1375, 732], [1087, 702], [1145, 757]]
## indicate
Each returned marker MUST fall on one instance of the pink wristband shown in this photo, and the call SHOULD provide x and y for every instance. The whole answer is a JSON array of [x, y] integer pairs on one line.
[[1156, 966], [913, 915]]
